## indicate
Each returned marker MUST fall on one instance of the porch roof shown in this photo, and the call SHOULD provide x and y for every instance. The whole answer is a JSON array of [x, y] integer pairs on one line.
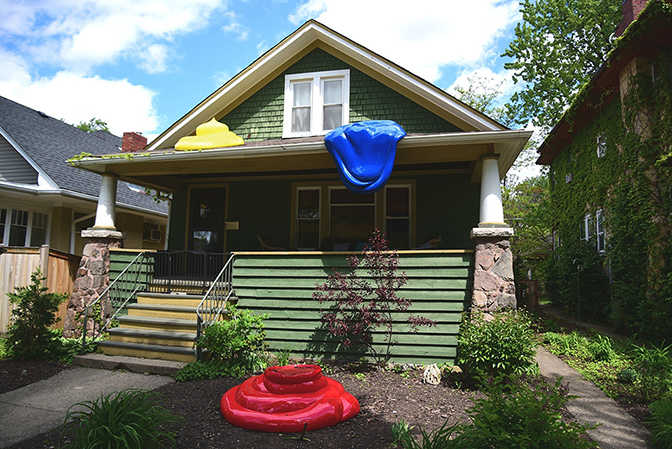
[[162, 169]]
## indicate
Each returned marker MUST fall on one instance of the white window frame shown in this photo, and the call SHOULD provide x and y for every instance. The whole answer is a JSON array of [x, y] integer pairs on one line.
[[317, 102], [408, 218], [601, 145], [319, 215], [587, 227], [29, 229], [600, 234]]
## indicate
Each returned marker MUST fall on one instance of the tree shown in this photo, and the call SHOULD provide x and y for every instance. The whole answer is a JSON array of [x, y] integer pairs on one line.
[[527, 210], [93, 125], [558, 46]]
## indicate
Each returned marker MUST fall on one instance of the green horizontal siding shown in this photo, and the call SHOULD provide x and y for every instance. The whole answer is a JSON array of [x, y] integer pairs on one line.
[[439, 284], [125, 284]]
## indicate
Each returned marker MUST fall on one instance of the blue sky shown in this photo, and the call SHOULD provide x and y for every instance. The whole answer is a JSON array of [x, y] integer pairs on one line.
[[142, 64]]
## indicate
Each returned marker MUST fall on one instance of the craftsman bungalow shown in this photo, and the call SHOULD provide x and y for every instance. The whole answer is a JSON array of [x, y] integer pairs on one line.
[[276, 201]]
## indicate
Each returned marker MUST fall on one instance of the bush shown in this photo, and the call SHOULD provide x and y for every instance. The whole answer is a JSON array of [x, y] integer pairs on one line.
[[501, 346], [573, 344], [29, 335], [363, 304], [655, 366], [125, 419], [661, 423], [600, 349], [514, 413]]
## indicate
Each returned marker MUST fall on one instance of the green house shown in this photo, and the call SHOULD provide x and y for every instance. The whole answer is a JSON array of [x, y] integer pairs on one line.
[[277, 202]]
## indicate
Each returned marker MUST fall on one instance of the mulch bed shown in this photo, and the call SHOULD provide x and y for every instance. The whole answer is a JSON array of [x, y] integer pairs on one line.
[[385, 397], [16, 374]]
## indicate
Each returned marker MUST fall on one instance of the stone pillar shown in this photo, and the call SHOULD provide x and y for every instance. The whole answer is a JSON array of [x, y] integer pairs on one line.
[[105, 212], [494, 287], [93, 276]]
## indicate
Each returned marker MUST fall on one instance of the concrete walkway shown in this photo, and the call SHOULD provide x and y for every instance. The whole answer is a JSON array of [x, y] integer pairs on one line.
[[39, 407], [618, 429]]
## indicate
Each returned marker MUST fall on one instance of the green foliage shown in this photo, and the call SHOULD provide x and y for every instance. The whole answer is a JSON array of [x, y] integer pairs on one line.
[[3, 350], [655, 366], [628, 376], [283, 357], [68, 348], [239, 337], [29, 335], [125, 419], [600, 349], [93, 125], [527, 210], [400, 430], [559, 45], [514, 413], [500, 346], [661, 423]]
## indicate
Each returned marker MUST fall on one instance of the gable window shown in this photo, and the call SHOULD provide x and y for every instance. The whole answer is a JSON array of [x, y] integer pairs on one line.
[[599, 227], [601, 146], [316, 103]]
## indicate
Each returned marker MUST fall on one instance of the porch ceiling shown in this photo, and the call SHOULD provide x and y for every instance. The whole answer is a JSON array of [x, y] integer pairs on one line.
[[165, 170]]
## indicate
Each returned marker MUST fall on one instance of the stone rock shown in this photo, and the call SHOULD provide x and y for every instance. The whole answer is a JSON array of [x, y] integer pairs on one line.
[[432, 375], [504, 266]]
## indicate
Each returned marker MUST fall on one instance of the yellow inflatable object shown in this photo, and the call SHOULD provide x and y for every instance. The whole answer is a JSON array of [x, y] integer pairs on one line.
[[212, 134]]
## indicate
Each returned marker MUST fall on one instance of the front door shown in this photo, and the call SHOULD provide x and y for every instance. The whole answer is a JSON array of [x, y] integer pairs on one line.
[[207, 214]]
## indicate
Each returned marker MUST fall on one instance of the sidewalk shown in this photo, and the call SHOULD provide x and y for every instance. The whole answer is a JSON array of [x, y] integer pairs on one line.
[[39, 407]]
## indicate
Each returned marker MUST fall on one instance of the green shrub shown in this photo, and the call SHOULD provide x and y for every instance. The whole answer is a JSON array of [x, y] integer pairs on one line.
[[661, 423], [125, 419], [400, 430], [627, 376], [241, 336], [29, 335], [600, 349], [573, 344], [514, 413], [504, 345], [655, 366]]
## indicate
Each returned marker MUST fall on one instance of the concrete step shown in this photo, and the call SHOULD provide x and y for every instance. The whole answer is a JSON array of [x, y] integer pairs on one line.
[[133, 364], [175, 353], [172, 299], [162, 311], [160, 324], [152, 337]]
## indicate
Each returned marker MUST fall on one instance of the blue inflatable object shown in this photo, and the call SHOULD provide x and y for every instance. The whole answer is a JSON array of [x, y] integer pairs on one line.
[[364, 153]]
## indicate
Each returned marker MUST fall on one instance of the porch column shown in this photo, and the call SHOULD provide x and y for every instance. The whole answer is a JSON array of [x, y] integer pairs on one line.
[[107, 199], [492, 212], [93, 275], [494, 287]]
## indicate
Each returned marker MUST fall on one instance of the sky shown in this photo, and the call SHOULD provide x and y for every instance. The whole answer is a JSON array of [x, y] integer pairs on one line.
[[140, 65]]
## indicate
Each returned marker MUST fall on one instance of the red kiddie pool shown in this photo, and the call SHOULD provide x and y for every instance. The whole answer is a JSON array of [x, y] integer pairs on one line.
[[287, 398]]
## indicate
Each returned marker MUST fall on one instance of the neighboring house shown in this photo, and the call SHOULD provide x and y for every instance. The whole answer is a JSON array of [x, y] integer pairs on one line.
[[45, 201], [280, 190], [609, 160]]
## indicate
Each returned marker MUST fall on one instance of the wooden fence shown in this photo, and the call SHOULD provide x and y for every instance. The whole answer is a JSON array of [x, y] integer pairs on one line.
[[282, 284], [18, 263]]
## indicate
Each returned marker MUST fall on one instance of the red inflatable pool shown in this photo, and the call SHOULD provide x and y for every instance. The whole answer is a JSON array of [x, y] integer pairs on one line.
[[286, 398]]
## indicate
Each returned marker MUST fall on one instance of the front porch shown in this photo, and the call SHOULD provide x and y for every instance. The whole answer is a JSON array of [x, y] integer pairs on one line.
[[161, 324]]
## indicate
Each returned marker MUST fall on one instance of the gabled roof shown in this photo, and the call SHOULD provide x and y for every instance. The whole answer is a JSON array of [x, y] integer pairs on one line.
[[313, 34], [645, 37], [47, 143]]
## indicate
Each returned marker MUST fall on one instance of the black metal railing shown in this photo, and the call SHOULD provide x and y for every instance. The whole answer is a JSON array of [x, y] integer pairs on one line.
[[136, 277], [214, 302], [185, 271]]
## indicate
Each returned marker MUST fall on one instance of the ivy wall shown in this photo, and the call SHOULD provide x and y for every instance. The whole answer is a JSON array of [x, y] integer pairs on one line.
[[615, 177]]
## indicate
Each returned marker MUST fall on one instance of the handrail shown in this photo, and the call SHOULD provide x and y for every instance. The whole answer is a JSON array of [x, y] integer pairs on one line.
[[214, 301], [119, 285]]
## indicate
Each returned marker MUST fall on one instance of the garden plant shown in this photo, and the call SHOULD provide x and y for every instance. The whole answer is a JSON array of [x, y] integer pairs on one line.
[[361, 304]]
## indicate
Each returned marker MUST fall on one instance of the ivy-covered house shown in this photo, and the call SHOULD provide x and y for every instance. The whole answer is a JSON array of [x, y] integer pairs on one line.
[[611, 190], [276, 201]]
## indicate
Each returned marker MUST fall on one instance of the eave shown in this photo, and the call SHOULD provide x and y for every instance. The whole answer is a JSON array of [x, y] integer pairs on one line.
[[158, 169]]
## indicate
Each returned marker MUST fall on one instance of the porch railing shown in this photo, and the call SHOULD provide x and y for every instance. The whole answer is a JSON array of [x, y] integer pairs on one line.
[[213, 303], [185, 271], [136, 277]]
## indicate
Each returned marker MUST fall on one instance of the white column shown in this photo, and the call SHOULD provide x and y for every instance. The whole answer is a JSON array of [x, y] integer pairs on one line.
[[492, 212], [107, 199]]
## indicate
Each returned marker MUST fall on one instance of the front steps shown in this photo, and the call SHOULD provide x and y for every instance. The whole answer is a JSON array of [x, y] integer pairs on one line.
[[158, 326]]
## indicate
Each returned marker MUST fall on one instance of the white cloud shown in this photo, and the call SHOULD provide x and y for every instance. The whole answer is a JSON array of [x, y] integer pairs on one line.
[[236, 27], [75, 98], [155, 58], [502, 79], [80, 35], [422, 36]]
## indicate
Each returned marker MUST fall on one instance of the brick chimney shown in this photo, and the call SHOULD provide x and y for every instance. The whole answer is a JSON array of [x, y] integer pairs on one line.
[[631, 9], [133, 142]]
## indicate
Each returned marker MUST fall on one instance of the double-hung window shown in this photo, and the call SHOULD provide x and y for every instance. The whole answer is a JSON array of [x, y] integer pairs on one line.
[[316, 103], [599, 227], [587, 227], [601, 146]]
